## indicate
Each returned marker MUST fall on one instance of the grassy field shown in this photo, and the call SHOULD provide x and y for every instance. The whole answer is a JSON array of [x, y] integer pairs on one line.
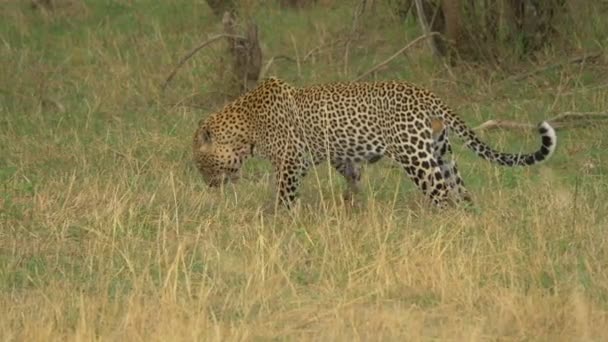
[[108, 233]]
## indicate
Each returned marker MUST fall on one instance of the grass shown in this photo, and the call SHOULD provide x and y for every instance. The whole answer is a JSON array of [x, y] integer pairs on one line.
[[108, 233]]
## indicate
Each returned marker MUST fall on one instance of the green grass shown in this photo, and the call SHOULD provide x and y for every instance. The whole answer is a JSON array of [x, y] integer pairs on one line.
[[107, 231]]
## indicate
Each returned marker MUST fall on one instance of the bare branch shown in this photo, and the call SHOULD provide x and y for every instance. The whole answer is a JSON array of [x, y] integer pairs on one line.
[[195, 50], [388, 60], [580, 59], [582, 90], [322, 46], [563, 120]]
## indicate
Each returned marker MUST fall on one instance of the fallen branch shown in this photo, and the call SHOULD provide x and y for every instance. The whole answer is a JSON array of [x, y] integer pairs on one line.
[[563, 120], [388, 60], [579, 59], [191, 53]]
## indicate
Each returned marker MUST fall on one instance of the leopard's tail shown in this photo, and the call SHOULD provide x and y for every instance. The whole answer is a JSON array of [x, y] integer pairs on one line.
[[547, 134]]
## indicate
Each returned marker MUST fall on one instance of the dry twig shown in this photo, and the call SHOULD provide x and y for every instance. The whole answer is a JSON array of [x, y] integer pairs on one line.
[[312, 51], [272, 60], [582, 90], [388, 60], [304, 59], [195, 50]]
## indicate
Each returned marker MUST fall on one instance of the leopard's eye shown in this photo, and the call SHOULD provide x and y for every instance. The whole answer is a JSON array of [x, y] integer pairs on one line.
[[205, 136]]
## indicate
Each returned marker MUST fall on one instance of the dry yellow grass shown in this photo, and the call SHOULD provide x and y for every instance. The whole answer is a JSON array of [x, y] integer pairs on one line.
[[107, 232]]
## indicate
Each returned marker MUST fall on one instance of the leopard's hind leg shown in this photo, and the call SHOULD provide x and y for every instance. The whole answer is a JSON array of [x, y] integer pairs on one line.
[[351, 171], [442, 150], [414, 151]]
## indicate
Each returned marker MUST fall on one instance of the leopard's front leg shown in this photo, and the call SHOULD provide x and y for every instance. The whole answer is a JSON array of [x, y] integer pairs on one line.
[[289, 174]]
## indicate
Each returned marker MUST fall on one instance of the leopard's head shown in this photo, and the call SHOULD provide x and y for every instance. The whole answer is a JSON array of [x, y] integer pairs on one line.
[[220, 148]]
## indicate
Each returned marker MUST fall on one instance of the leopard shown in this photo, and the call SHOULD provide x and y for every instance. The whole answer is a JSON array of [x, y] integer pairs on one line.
[[347, 124]]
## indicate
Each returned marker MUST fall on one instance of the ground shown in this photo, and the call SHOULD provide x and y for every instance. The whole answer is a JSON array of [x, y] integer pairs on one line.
[[108, 232]]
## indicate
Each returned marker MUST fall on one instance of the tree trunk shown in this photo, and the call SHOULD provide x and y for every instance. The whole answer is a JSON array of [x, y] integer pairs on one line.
[[245, 52], [220, 6], [452, 12], [475, 29], [431, 19]]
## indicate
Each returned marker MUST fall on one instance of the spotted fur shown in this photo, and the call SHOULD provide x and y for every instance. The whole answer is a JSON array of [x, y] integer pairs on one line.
[[346, 124]]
